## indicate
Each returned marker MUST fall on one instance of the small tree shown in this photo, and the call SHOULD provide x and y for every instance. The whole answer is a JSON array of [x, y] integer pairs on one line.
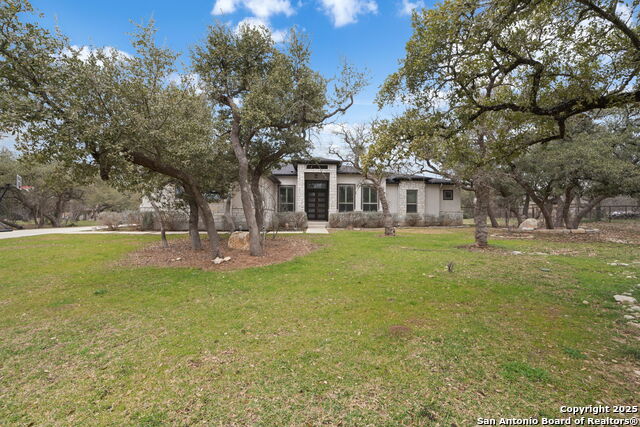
[[357, 142]]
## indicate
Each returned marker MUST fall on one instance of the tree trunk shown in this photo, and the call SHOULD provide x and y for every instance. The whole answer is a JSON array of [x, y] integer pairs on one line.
[[518, 215], [187, 181], [389, 229], [209, 222], [248, 206], [525, 207], [163, 233], [560, 209], [482, 191], [194, 232], [492, 217], [257, 197], [577, 219], [228, 215]]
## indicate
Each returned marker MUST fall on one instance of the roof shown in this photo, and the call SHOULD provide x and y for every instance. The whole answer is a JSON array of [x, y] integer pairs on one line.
[[290, 170]]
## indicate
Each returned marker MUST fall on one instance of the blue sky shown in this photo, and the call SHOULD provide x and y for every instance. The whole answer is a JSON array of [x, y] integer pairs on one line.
[[371, 34]]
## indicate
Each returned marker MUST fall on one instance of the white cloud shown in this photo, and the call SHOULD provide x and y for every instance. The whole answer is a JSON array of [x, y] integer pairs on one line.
[[278, 36], [344, 12], [222, 7], [266, 8], [259, 8], [408, 6]]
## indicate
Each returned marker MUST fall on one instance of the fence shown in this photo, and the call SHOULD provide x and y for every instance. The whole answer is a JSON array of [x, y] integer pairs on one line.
[[599, 213]]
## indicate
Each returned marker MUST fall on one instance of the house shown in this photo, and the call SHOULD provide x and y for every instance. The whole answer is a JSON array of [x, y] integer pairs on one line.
[[321, 187]]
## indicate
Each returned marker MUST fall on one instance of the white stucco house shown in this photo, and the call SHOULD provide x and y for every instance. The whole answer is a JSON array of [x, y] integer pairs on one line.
[[321, 187]]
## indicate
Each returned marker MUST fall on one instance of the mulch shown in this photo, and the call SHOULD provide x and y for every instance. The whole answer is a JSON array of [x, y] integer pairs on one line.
[[180, 254]]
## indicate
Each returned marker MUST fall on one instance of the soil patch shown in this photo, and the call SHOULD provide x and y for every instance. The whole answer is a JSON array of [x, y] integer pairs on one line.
[[622, 232], [179, 254]]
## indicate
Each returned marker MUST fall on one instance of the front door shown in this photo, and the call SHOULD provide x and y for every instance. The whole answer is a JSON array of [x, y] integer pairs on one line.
[[317, 200]]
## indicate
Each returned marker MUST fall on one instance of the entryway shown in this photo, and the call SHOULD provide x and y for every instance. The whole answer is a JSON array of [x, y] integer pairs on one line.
[[316, 200]]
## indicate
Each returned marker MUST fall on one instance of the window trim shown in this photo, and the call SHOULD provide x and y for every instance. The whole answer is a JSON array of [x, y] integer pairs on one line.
[[414, 204], [293, 203], [445, 192], [371, 188], [353, 202]]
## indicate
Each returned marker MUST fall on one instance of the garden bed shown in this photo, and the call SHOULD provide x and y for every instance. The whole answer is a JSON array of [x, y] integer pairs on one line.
[[180, 254]]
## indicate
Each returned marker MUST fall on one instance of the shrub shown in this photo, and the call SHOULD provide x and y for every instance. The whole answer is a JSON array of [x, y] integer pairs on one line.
[[111, 220], [413, 220], [356, 220], [451, 218], [431, 220], [373, 219], [291, 221], [146, 222]]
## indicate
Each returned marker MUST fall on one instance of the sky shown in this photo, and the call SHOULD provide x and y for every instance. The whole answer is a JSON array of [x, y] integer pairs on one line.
[[370, 34]]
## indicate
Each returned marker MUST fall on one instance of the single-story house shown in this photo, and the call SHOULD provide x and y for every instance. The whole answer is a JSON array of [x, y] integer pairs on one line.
[[321, 187]]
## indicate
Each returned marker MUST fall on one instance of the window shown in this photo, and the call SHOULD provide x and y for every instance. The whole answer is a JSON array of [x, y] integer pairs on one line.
[[346, 197], [369, 199], [412, 201], [286, 198], [447, 194]]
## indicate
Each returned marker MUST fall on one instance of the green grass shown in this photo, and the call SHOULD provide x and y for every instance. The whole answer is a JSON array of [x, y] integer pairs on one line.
[[365, 331]]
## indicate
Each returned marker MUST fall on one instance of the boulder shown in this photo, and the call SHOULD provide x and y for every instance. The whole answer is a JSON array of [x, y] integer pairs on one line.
[[624, 299], [528, 224], [239, 240]]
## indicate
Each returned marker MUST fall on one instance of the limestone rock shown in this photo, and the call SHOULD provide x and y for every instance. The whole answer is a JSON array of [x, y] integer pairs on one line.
[[528, 224], [239, 240], [578, 231], [624, 299]]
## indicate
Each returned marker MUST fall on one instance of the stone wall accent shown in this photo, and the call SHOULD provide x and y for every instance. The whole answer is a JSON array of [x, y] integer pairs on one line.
[[333, 189], [300, 188], [402, 196]]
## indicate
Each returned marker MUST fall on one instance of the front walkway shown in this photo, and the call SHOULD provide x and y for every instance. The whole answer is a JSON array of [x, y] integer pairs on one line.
[[317, 227]]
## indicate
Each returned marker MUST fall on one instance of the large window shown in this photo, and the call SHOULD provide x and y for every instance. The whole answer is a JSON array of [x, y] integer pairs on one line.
[[369, 199], [447, 194], [412, 201], [286, 198], [346, 197]]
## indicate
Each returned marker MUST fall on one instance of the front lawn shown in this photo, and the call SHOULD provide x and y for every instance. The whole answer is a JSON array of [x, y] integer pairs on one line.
[[365, 330]]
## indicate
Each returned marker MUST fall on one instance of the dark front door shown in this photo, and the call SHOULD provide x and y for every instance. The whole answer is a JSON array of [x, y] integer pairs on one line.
[[317, 200]]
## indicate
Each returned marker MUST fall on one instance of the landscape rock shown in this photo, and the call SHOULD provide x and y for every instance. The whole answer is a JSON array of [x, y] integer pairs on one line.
[[227, 258], [622, 264], [624, 299], [578, 231], [528, 224], [635, 308], [634, 324], [629, 317], [218, 260], [239, 240], [516, 253]]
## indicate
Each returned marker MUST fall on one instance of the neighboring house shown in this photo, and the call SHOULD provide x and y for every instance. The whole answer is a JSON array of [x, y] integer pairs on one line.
[[321, 187]]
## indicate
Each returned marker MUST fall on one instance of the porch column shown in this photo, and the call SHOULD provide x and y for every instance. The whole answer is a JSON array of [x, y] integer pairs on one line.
[[300, 188], [333, 189]]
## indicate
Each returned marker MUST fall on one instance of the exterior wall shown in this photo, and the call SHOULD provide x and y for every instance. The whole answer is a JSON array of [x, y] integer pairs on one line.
[[432, 200], [431, 206], [392, 197]]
